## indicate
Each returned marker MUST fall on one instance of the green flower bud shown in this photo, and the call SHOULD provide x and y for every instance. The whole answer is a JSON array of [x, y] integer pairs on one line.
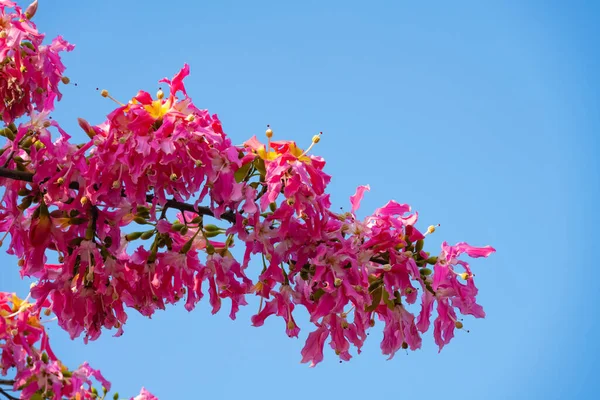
[[419, 245], [147, 235], [432, 260], [212, 234], [210, 249], [133, 236], [45, 357], [426, 271], [177, 226], [211, 228], [140, 220]]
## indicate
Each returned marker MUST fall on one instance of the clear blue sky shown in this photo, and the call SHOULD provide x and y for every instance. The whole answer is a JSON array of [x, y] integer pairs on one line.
[[482, 115]]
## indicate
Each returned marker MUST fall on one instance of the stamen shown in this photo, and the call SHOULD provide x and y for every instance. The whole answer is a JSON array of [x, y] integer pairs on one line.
[[316, 139], [104, 93], [431, 229]]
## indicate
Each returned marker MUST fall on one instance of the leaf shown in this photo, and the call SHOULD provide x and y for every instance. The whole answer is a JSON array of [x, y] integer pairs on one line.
[[242, 172], [377, 295]]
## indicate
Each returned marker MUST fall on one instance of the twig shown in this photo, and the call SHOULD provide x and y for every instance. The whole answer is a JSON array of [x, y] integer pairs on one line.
[[28, 177], [8, 395]]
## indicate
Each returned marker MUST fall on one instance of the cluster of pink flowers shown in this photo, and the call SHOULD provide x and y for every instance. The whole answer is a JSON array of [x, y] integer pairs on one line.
[[38, 373], [25, 348], [154, 154], [120, 223], [30, 71]]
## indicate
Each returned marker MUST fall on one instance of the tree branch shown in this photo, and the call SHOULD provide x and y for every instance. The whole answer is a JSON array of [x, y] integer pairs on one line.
[[28, 177], [8, 395]]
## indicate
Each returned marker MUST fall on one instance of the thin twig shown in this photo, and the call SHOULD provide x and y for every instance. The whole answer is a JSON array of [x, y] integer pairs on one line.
[[8, 395], [28, 177]]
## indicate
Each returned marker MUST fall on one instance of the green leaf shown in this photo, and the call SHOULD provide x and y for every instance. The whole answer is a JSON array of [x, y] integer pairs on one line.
[[242, 172], [377, 295]]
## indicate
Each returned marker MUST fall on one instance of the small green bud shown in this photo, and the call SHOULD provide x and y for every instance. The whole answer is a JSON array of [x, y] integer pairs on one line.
[[211, 228], [212, 234], [419, 245], [133, 236], [210, 249], [426, 271], [184, 230], [140, 220], [187, 246], [45, 357], [432, 260], [177, 227], [273, 207], [147, 235], [116, 396]]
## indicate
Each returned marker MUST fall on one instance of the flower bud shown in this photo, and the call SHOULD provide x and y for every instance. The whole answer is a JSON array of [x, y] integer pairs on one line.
[[419, 246], [210, 249], [211, 228], [425, 271], [31, 9], [133, 236], [177, 226], [212, 234], [45, 357], [140, 220], [116, 396], [147, 235]]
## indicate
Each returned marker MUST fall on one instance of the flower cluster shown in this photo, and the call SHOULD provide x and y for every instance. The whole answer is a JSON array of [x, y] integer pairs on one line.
[[121, 222], [153, 155], [25, 348], [29, 70]]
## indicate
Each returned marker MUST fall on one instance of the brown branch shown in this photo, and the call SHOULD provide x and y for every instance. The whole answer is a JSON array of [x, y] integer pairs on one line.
[[28, 177], [8, 395]]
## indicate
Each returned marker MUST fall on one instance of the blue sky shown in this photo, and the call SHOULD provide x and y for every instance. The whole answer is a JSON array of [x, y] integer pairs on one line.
[[481, 115]]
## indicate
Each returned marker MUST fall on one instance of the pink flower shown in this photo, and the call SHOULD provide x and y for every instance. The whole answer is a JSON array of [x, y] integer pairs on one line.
[[144, 395]]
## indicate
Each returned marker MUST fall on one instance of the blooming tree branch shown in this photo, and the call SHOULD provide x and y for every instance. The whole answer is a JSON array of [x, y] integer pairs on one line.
[[117, 224]]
